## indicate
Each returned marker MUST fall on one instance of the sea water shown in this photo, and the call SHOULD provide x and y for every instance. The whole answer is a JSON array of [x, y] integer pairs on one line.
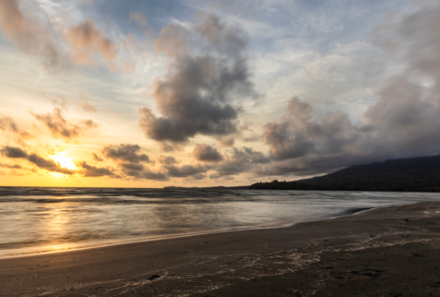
[[43, 220]]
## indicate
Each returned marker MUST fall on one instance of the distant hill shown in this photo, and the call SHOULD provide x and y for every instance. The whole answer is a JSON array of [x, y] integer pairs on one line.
[[402, 175]]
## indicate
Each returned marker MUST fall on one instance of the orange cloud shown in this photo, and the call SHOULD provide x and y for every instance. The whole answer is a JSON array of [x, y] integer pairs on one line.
[[12, 131], [28, 34], [9, 125], [60, 127], [86, 40]]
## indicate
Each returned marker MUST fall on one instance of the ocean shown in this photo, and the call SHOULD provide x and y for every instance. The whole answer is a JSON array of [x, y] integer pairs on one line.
[[44, 220]]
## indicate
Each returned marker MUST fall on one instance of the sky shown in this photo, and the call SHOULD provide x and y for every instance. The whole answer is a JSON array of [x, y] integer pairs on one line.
[[134, 93]]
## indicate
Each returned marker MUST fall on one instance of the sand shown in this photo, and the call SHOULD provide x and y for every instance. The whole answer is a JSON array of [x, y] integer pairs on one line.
[[392, 251]]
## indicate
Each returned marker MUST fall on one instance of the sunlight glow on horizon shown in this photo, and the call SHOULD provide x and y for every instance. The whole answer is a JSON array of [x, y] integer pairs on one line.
[[64, 160]]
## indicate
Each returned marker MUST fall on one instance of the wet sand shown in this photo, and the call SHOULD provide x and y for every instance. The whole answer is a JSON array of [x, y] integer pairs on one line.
[[391, 251]]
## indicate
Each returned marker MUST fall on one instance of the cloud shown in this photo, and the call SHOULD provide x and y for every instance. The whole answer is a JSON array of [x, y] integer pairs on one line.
[[239, 161], [131, 162], [305, 143], [151, 175], [92, 171], [97, 158], [87, 106], [29, 35], [167, 160], [185, 170], [7, 124], [139, 171], [197, 95], [13, 152], [10, 166], [60, 127], [298, 133], [206, 153], [133, 170], [86, 40], [406, 115], [227, 141], [132, 166], [38, 36], [125, 152], [49, 165], [403, 122]]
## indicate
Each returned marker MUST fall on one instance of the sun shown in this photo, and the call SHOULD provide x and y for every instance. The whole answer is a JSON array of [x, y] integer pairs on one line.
[[64, 160]]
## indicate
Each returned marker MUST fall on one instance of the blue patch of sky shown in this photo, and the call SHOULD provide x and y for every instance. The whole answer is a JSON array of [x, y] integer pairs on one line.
[[322, 23], [158, 13], [4, 43]]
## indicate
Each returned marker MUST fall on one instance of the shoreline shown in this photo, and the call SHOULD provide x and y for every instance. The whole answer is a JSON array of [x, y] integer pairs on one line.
[[349, 212], [381, 250]]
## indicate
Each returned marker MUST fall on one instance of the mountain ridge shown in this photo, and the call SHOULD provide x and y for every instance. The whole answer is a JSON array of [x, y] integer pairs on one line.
[[419, 174]]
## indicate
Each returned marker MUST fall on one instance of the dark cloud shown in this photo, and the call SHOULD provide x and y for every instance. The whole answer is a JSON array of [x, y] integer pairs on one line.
[[132, 166], [196, 96], [125, 152], [185, 170], [167, 160], [13, 152], [206, 153], [49, 165], [97, 158], [151, 175], [11, 166], [299, 133], [140, 171], [133, 173], [239, 161], [303, 143], [227, 141], [196, 177], [60, 127], [253, 138], [92, 171], [131, 162]]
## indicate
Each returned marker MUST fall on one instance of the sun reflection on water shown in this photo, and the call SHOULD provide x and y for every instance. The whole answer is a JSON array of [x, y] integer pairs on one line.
[[36, 223], [56, 227]]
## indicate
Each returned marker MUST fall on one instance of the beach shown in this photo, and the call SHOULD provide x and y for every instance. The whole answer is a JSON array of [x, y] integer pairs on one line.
[[391, 251]]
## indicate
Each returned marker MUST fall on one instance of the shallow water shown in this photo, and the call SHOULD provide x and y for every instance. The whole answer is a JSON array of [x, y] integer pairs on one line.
[[40, 220]]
